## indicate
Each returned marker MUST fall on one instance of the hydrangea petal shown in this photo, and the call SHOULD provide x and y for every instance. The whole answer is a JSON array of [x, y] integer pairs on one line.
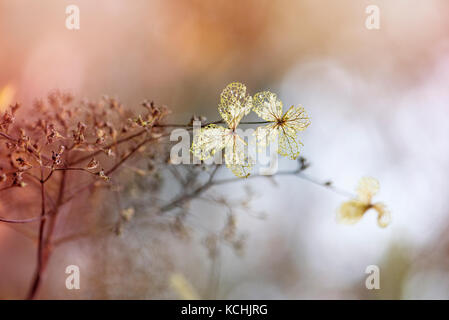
[[367, 188], [383, 215], [236, 158], [296, 118], [234, 104], [267, 106], [266, 134], [288, 145], [350, 212], [208, 141]]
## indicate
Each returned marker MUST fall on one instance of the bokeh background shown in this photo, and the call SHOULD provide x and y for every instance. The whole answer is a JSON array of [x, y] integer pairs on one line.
[[379, 103]]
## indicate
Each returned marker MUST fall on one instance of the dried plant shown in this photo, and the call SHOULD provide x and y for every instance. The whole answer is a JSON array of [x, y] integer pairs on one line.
[[235, 103], [62, 152], [353, 210], [59, 150]]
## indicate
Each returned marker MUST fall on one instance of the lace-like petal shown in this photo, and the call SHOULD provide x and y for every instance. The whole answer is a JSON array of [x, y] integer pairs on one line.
[[234, 104], [266, 134], [236, 158], [383, 215], [350, 212], [367, 188], [296, 118], [267, 106], [289, 146], [208, 141]]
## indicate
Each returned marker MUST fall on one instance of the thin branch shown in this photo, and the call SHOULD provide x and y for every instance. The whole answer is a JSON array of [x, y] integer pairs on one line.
[[134, 150], [8, 187], [6, 136], [40, 250], [87, 157], [296, 173], [75, 169], [23, 220], [188, 196]]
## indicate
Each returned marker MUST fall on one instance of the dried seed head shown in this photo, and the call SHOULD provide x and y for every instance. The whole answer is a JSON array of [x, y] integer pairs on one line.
[[93, 164], [78, 135]]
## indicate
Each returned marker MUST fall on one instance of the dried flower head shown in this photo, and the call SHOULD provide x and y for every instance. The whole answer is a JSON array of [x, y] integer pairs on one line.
[[234, 105], [350, 212], [284, 127]]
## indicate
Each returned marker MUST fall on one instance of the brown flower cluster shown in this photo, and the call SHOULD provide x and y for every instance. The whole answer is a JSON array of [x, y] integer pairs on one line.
[[54, 152]]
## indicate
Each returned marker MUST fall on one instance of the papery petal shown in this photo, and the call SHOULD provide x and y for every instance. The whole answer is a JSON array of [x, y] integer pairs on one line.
[[236, 157], [367, 188], [208, 141], [296, 118], [241, 170], [351, 211], [288, 145], [383, 215], [234, 104], [267, 106], [266, 134]]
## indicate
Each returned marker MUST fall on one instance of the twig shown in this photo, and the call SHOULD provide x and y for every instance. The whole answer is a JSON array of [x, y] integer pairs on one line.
[[40, 253], [22, 220], [6, 136]]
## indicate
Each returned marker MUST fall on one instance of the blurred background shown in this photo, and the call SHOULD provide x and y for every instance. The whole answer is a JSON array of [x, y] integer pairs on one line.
[[379, 104]]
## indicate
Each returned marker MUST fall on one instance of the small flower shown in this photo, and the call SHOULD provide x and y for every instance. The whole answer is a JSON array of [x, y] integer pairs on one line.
[[93, 164], [234, 105], [128, 213], [108, 152], [53, 134], [284, 127], [56, 156], [103, 176], [142, 123], [18, 161], [353, 210], [101, 136]]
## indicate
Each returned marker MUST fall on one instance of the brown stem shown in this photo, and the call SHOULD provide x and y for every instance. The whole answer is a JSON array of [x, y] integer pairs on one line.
[[22, 220], [40, 247], [6, 136], [136, 148], [52, 222], [89, 156]]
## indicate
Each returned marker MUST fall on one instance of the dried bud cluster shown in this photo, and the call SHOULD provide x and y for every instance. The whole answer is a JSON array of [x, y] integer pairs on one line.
[[57, 134], [59, 148]]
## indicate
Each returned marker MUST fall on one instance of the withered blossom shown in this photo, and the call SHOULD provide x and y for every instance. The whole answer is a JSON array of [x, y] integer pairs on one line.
[[234, 105], [350, 212], [284, 127]]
